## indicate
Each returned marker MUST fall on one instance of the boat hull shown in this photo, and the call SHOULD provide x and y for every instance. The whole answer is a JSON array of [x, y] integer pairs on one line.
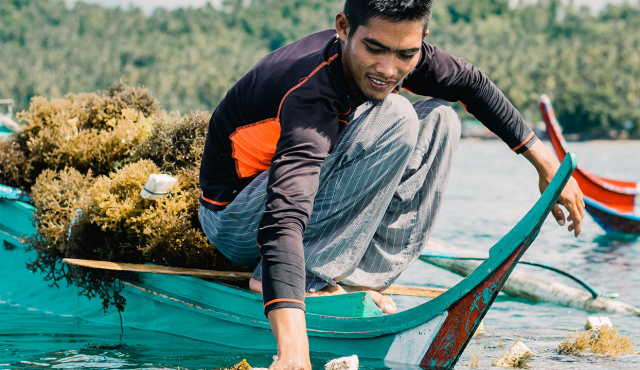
[[432, 335], [611, 221]]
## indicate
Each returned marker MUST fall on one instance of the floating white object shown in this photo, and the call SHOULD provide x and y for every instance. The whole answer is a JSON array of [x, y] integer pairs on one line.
[[343, 363], [157, 186], [594, 322], [517, 355]]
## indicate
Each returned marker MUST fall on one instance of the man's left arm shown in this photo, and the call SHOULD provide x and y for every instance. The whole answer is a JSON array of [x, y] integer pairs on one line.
[[441, 75]]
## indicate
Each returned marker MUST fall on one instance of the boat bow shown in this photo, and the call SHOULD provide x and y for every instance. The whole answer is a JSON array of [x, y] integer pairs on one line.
[[464, 305]]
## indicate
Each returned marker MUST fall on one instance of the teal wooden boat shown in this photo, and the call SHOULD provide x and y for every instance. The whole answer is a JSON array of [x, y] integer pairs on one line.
[[431, 335]]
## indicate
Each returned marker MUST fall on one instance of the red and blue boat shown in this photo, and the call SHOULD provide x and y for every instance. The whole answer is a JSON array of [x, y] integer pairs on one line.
[[613, 204]]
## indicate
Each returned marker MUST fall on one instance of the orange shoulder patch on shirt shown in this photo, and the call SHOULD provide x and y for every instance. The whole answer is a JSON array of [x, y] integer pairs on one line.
[[253, 147]]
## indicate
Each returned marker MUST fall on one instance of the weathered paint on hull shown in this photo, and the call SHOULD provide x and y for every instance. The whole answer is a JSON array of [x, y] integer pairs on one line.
[[465, 316]]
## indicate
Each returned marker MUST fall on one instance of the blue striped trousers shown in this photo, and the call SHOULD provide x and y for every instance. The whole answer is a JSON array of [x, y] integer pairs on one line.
[[379, 194]]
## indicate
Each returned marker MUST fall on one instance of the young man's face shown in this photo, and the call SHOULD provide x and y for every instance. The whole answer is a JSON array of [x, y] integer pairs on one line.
[[380, 54]]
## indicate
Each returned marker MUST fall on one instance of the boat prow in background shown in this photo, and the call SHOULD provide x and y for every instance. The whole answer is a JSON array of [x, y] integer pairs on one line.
[[432, 335], [613, 204], [612, 221]]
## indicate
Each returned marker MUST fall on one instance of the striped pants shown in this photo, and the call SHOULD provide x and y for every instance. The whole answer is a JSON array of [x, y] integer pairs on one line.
[[379, 195]]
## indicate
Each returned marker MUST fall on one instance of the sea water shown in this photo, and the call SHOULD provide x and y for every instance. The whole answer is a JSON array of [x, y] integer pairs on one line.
[[490, 189]]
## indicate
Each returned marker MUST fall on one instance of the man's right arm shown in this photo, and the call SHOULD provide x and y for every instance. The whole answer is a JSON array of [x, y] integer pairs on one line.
[[304, 143]]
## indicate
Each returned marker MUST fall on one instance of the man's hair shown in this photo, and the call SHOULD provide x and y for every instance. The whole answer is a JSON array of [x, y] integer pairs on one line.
[[360, 11]]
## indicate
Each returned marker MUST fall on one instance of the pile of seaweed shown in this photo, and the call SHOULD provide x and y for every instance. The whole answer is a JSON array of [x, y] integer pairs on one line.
[[85, 159], [603, 340]]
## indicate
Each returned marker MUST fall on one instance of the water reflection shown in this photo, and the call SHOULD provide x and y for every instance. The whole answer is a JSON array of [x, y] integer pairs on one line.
[[616, 240]]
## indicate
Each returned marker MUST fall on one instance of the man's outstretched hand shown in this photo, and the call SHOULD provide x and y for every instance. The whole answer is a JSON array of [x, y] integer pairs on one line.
[[571, 197]]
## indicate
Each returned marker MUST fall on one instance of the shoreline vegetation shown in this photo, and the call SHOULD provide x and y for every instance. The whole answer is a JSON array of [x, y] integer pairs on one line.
[[188, 58]]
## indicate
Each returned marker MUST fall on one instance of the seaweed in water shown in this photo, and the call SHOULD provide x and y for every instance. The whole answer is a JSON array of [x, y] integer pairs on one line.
[[604, 340]]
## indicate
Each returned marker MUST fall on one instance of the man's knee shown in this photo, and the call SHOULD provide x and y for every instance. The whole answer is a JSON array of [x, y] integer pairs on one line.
[[441, 114], [405, 120]]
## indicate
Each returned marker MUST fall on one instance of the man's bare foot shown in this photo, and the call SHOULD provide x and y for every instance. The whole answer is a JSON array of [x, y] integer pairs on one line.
[[386, 304], [255, 285], [328, 290]]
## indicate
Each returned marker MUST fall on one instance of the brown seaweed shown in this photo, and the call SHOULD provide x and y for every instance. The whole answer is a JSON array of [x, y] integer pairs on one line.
[[84, 131], [90, 156], [604, 340]]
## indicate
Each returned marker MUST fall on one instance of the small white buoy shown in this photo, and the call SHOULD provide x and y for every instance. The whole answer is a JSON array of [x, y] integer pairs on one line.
[[343, 363], [517, 355], [594, 322], [157, 186]]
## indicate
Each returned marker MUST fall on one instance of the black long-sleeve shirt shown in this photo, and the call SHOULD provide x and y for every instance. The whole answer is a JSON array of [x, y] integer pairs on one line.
[[285, 115]]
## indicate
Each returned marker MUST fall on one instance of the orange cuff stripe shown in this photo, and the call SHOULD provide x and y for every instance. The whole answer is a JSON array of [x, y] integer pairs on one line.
[[524, 142], [283, 300], [213, 201]]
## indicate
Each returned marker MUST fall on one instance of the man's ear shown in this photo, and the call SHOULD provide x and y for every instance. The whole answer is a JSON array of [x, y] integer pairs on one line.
[[342, 26], [426, 33]]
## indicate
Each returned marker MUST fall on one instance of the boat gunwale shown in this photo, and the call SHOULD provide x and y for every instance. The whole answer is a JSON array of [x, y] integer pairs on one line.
[[518, 238]]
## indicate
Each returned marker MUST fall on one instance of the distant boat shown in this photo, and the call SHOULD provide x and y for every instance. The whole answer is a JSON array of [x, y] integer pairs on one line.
[[613, 204], [432, 335], [7, 124]]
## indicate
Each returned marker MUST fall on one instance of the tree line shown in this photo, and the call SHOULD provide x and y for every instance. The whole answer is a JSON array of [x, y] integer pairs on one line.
[[588, 64]]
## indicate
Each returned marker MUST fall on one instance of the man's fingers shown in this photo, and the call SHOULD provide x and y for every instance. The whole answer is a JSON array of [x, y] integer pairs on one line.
[[558, 215], [576, 213], [577, 227]]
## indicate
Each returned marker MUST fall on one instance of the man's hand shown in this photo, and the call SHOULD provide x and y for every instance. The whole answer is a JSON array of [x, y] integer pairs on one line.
[[571, 197], [290, 331]]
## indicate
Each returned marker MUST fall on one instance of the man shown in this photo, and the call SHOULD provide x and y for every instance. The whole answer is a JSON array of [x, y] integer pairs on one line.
[[316, 172]]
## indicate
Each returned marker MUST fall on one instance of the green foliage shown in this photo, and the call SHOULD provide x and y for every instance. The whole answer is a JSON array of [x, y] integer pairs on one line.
[[189, 58]]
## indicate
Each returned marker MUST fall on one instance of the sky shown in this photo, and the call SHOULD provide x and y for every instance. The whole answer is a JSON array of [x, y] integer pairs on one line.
[[148, 5]]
